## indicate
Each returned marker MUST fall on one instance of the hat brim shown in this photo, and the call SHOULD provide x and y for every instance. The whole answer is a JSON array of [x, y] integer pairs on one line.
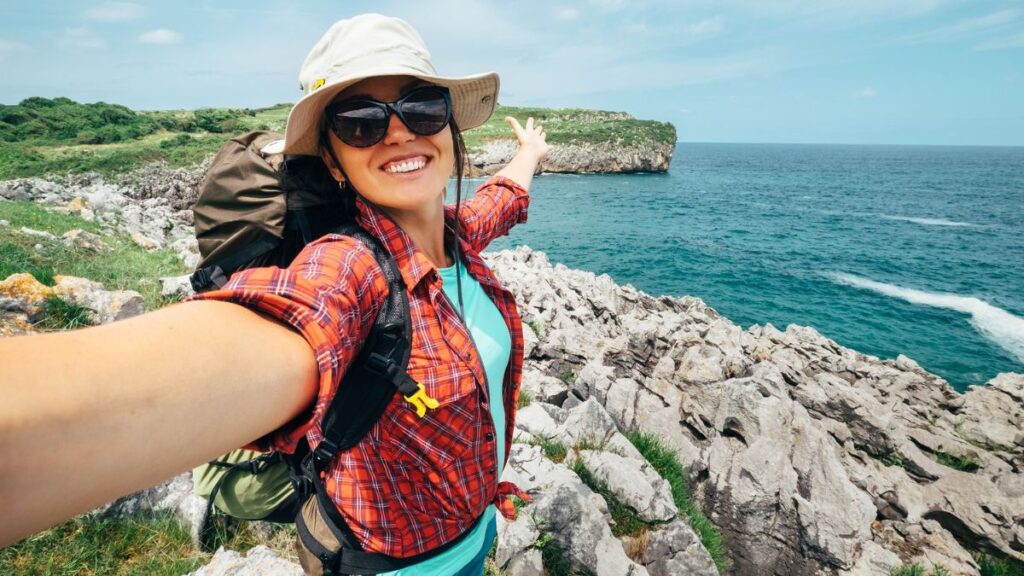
[[473, 102]]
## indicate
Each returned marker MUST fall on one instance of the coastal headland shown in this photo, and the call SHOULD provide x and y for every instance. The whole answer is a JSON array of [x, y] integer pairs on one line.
[[56, 136]]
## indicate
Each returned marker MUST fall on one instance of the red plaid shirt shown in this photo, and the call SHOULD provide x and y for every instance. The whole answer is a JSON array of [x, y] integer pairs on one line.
[[413, 483]]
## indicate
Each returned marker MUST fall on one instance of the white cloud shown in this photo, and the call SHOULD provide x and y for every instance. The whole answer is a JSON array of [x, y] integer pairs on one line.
[[8, 47], [866, 92], [1015, 41], [567, 14], [81, 38], [161, 36], [964, 28], [706, 27], [114, 12]]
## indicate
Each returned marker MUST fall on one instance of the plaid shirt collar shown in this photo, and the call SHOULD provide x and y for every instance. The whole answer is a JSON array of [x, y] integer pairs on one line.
[[412, 262]]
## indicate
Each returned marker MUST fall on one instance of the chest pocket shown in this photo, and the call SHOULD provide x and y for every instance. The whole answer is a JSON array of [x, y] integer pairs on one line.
[[444, 434]]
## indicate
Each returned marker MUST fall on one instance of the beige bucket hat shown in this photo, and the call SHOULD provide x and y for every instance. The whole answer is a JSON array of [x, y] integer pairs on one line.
[[373, 45]]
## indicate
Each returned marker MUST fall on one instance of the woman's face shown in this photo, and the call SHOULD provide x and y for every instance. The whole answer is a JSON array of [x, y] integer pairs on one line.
[[404, 172]]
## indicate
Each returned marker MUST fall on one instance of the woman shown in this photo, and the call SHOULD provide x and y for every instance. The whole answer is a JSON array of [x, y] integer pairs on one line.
[[77, 403]]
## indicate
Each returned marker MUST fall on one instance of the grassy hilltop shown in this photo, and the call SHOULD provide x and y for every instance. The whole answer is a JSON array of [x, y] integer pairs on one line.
[[40, 135]]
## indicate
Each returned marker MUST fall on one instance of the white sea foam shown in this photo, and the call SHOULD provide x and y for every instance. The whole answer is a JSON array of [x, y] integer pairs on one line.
[[996, 324], [927, 221]]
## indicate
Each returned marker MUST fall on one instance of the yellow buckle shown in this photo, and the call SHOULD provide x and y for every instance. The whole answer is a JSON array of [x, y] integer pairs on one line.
[[421, 401]]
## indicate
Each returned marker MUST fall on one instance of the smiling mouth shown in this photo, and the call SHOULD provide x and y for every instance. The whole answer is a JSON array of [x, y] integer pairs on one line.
[[405, 166]]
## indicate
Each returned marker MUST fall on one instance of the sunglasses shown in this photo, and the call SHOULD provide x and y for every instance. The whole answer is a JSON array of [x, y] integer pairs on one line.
[[362, 122]]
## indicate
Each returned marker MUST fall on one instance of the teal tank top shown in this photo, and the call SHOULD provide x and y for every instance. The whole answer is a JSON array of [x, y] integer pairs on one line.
[[494, 344]]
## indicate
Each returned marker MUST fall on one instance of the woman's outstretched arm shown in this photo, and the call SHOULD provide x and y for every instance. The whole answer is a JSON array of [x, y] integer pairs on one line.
[[90, 415]]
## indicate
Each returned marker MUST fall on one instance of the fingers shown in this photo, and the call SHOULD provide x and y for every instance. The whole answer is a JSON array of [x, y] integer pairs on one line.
[[532, 132]]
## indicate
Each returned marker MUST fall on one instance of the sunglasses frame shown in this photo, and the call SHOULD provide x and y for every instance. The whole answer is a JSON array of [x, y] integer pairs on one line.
[[389, 108]]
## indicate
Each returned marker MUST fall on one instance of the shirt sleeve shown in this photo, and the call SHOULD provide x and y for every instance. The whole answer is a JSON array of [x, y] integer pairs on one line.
[[498, 205], [330, 295]]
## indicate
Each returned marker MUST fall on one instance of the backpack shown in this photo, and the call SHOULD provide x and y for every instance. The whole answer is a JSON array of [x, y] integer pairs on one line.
[[258, 207]]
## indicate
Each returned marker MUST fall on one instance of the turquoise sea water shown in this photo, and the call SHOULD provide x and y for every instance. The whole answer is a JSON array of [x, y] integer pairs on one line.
[[885, 249]]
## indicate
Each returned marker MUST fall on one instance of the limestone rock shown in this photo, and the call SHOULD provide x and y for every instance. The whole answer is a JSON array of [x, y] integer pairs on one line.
[[22, 293], [634, 482], [83, 240], [258, 561], [106, 306], [675, 549]]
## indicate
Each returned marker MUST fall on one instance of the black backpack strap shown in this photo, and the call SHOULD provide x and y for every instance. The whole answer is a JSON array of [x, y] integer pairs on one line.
[[379, 369], [217, 273]]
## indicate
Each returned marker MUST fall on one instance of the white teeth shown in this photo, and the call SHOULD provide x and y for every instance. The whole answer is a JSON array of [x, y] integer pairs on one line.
[[407, 166]]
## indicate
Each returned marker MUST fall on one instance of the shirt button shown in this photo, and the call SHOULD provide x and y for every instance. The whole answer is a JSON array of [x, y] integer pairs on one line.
[[489, 437]]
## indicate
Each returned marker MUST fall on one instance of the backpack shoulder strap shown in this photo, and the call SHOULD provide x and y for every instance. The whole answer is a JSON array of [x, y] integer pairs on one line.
[[378, 370]]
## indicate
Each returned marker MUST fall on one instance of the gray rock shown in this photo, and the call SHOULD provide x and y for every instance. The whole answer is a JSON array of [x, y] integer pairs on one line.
[[675, 549], [258, 561], [634, 482], [106, 306]]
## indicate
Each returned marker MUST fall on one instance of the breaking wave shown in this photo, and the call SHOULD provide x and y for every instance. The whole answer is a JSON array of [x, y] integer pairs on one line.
[[996, 324]]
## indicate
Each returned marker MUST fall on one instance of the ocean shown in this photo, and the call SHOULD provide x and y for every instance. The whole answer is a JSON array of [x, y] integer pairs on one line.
[[913, 250]]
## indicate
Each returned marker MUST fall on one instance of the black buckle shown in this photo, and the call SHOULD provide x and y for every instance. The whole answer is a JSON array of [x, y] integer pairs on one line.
[[200, 279], [325, 450], [379, 364]]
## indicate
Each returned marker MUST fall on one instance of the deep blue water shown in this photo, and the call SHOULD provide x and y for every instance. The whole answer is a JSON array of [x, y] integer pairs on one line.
[[885, 249]]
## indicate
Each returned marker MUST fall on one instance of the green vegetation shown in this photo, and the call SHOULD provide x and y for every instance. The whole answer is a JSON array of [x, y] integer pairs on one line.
[[537, 326], [666, 464], [575, 125], [553, 557], [627, 523], [553, 449], [41, 135], [918, 570], [59, 314], [892, 459], [94, 546], [525, 399], [962, 463], [991, 566], [123, 266], [567, 376]]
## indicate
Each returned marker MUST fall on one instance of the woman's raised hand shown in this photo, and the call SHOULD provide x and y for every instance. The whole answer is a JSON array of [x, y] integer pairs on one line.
[[532, 139], [533, 147]]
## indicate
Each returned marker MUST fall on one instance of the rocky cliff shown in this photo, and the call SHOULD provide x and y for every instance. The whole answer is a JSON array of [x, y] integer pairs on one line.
[[579, 157], [806, 457]]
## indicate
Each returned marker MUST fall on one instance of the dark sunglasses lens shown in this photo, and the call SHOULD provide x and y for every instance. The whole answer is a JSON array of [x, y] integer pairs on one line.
[[425, 111], [360, 125]]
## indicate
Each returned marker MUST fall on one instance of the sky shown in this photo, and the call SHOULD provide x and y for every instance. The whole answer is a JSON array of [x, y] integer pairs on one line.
[[933, 72]]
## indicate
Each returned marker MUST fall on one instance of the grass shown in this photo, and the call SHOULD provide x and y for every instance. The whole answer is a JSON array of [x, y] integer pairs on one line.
[[538, 327], [554, 559], [553, 449], [159, 545], [568, 376], [627, 522], [918, 570], [962, 463], [124, 266], [892, 459], [991, 566], [574, 126], [84, 547], [525, 399], [59, 314], [666, 464]]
